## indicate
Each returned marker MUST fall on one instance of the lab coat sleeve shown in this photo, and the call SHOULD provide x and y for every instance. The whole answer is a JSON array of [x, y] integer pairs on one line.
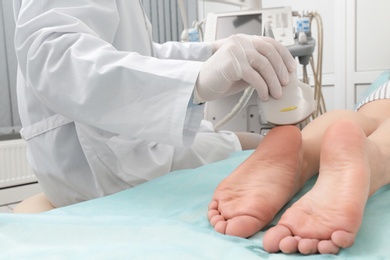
[[65, 54], [199, 51]]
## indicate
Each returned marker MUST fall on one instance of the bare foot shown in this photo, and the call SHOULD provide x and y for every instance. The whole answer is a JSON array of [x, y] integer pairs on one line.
[[328, 217], [249, 198]]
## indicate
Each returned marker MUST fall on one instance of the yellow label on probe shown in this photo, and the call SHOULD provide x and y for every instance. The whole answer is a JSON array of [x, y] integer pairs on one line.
[[286, 109]]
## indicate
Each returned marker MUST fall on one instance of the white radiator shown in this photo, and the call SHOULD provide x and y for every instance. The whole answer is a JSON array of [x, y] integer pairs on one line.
[[14, 168]]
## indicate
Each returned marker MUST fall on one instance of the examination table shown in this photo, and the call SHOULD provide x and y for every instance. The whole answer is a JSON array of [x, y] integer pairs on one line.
[[166, 219]]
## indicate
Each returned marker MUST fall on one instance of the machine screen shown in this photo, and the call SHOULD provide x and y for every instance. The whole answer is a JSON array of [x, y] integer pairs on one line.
[[247, 24]]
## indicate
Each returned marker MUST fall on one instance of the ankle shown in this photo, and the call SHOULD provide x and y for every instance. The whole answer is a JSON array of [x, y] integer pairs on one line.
[[379, 168], [310, 165]]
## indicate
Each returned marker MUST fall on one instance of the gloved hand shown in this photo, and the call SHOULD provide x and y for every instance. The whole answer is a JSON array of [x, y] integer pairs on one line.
[[243, 60]]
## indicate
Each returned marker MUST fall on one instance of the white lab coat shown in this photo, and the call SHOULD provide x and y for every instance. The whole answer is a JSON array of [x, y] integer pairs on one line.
[[103, 108]]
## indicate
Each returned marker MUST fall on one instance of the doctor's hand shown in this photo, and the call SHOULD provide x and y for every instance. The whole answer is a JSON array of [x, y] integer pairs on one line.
[[243, 60]]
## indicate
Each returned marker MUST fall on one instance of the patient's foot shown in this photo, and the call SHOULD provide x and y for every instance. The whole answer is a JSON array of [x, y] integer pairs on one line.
[[248, 199], [328, 217]]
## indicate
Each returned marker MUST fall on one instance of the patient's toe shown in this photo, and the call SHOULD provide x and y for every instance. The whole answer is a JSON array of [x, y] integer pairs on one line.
[[327, 247], [215, 219]]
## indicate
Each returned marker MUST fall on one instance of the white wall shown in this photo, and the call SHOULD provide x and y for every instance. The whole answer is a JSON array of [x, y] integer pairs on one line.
[[370, 52], [356, 40]]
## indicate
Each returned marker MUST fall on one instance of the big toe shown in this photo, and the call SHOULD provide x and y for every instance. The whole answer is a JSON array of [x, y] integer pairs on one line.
[[274, 236], [343, 239], [243, 226]]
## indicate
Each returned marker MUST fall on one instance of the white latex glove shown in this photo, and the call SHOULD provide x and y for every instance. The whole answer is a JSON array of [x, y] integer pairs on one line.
[[243, 60]]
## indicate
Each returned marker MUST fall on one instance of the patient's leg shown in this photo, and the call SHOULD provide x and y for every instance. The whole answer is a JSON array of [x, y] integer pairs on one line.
[[328, 217], [249, 198], [249, 141], [239, 208]]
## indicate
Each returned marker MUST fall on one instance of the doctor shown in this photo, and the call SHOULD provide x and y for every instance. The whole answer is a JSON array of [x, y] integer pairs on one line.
[[104, 109]]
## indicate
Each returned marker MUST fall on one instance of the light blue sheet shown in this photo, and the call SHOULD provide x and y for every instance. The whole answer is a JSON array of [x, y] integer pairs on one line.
[[165, 219]]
